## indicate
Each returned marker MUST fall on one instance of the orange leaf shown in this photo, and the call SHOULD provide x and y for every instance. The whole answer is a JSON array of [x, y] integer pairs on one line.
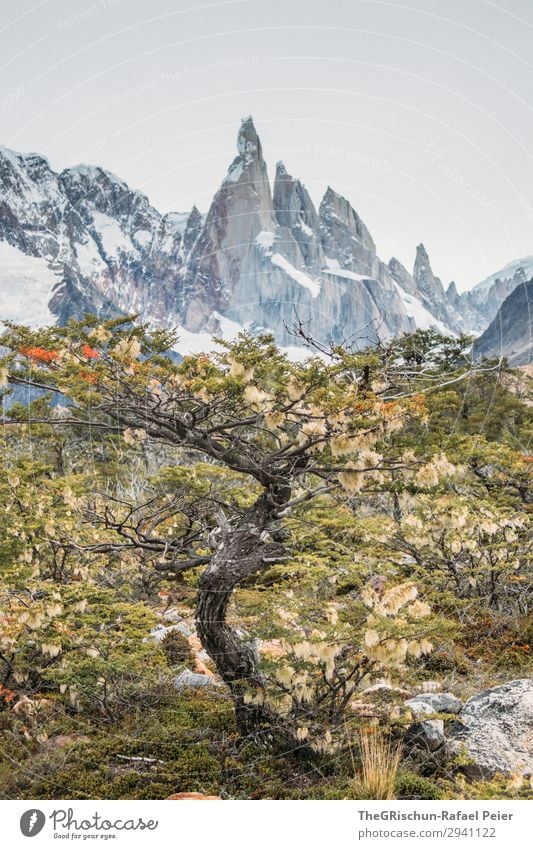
[[89, 353], [40, 354]]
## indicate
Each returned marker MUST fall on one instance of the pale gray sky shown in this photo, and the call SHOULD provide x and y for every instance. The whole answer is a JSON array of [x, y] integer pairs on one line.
[[421, 113]]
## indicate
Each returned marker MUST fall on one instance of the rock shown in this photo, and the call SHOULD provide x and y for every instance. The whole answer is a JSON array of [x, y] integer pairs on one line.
[[160, 631], [201, 797], [175, 614], [201, 668], [385, 692], [429, 734], [188, 680], [436, 702], [496, 730], [199, 652], [509, 333]]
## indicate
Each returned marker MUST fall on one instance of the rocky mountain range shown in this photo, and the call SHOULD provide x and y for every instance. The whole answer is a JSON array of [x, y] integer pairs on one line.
[[510, 333], [263, 257]]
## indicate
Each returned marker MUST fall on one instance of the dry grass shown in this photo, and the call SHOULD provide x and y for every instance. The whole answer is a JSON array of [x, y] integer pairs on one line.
[[380, 759]]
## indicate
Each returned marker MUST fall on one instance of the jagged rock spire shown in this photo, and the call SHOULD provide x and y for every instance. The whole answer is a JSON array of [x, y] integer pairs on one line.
[[297, 219], [292, 202], [258, 258], [345, 236], [425, 281], [192, 229], [402, 276], [248, 165], [240, 211]]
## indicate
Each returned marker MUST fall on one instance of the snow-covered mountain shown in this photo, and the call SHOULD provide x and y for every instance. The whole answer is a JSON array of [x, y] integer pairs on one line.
[[480, 304], [267, 258], [83, 241], [262, 258]]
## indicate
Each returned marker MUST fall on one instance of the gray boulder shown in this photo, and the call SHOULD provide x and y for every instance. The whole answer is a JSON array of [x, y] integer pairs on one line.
[[188, 680], [160, 631], [437, 702], [495, 729], [429, 733]]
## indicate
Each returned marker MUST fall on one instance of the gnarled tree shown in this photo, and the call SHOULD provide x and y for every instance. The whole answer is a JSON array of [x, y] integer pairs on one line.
[[294, 430]]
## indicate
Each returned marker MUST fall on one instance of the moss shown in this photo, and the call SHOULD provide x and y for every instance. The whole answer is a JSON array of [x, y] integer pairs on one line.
[[339, 789], [409, 785], [498, 787]]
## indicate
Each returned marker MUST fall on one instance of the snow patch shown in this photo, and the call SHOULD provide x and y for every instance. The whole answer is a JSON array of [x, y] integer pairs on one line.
[[93, 172], [305, 228], [234, 172], [297, 276], [113, 239], [26, 284], [422, 317], [204, 342], [178, 220], [296, 354], [348, 275], [142, 238], [89, 260], [265, 240]]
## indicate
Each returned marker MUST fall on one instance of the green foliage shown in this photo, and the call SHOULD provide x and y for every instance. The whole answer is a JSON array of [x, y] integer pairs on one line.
[[410, 474], [109, 664], [170, 746], [410, 785]]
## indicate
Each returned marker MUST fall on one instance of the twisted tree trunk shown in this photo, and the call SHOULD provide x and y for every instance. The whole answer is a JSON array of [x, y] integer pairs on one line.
[[245, 549]]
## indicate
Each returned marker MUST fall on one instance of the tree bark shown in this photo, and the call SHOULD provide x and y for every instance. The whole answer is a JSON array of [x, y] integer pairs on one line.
[[244, 550]]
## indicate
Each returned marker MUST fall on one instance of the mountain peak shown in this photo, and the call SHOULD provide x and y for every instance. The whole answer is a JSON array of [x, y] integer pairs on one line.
[[422, 266], [428, 285], [509, 333], [402, 276], [294, 209], [505, 273], [256, 257], [250, 155], [451, 291], [22, 158], [247, 140], [93, 172], [330, 194]]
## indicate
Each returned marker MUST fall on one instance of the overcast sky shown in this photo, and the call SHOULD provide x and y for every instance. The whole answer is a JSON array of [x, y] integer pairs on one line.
[[420, 113]]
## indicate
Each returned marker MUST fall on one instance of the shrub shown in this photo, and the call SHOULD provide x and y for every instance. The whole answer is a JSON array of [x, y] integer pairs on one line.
[[409, 785], [177, 649]]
